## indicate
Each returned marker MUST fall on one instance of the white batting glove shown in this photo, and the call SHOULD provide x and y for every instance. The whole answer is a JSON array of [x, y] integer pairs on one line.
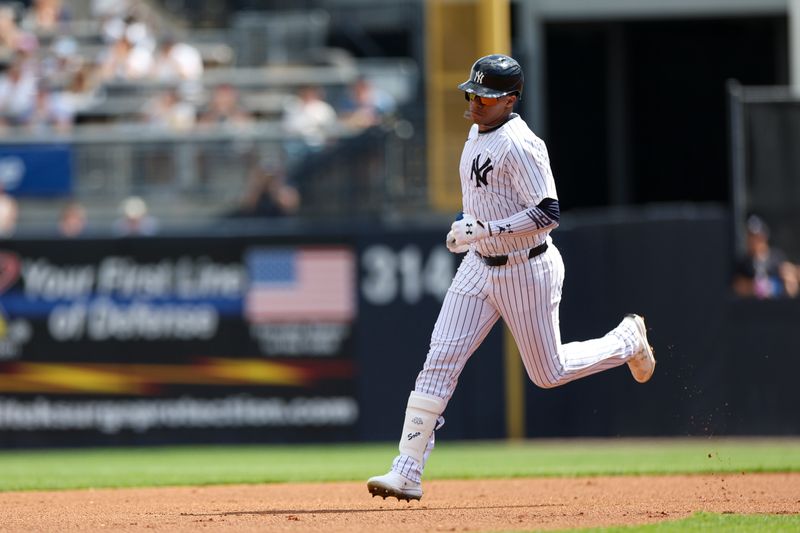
[[453, 247], [468, 230]]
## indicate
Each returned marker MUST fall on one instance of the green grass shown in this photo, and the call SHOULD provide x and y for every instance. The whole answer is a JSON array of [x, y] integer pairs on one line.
[[208, 465], [582, 457], [704, 522]]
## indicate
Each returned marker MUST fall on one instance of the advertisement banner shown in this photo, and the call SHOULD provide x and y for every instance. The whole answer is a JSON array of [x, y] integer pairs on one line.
[[36, 170], [168, 340]]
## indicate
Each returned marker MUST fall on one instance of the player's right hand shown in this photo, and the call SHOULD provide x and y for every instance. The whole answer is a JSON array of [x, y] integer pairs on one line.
[[452, 246], [468, 229]]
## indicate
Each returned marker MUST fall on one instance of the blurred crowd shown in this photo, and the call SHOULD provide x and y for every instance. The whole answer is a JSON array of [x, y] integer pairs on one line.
[[57, 71], [764, 271], [133, 218], [50, 76]]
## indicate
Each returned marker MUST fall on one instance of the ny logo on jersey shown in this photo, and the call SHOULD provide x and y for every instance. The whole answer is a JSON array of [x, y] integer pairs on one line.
[[479, 77], [479, 171]]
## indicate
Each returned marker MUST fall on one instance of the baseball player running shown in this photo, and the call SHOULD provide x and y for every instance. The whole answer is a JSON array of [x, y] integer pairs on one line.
[[512, 270]]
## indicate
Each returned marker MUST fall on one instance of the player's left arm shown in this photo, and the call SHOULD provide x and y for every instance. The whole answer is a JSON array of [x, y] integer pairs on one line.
[[537, 219]]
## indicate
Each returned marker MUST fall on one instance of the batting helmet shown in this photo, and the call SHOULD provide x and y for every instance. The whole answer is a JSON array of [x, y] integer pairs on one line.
[[494, 76]]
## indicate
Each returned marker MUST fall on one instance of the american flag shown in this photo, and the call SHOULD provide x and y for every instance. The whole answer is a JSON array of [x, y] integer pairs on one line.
[[300, 285]]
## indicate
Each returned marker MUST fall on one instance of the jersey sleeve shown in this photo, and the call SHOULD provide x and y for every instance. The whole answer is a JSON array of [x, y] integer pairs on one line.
[[536, 219], [528, 167]]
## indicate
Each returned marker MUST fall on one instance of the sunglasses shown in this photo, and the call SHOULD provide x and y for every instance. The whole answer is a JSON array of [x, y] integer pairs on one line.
[[485, 100]]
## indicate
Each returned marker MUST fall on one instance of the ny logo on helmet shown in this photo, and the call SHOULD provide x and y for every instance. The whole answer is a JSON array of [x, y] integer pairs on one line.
[[479, 77]]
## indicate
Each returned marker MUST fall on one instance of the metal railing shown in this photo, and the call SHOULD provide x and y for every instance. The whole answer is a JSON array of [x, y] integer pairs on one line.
[[194, 176]]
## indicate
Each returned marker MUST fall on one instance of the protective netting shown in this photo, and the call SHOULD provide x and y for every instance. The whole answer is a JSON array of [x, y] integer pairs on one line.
[[772, 169]]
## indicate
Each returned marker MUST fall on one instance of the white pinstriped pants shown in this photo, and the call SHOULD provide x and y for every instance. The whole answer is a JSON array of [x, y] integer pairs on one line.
[[527, 295]]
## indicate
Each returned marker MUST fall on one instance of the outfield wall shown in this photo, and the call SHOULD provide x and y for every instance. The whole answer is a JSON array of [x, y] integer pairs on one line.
[[726, 366], [284, 338]]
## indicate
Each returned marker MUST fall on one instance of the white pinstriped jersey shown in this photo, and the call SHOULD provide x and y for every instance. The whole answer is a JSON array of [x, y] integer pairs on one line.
[[504, 172]]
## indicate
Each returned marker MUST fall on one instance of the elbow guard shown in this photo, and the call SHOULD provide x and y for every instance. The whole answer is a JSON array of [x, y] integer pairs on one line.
[[550, 207], [544, 215]]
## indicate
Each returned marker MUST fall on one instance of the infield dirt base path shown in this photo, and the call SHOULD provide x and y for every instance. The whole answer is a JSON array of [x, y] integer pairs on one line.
[[479, 505]]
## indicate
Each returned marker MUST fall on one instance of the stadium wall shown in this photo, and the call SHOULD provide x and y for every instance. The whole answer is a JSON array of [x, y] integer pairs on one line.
[[284, 338]]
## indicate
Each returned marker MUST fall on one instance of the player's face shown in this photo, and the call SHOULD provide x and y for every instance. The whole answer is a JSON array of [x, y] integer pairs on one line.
[[489, 112]]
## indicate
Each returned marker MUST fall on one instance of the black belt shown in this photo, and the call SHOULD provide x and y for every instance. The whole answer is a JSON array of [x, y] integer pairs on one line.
[[500, 260]]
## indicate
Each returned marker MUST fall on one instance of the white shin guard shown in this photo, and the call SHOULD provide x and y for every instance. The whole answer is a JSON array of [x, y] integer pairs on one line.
[[422, 413]]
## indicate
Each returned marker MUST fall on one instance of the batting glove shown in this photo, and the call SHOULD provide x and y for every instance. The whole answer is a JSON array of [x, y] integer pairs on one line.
[[453, 247], [468, 230]]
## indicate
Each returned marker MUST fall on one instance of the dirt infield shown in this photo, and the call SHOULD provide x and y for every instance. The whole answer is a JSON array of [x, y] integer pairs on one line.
[[478, 505]]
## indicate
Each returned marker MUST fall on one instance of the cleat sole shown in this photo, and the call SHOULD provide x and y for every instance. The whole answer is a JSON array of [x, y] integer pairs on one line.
[[384, 492]]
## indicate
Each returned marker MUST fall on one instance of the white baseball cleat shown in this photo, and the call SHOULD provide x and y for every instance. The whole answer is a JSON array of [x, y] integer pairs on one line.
[[393, 484], [643, 363]]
